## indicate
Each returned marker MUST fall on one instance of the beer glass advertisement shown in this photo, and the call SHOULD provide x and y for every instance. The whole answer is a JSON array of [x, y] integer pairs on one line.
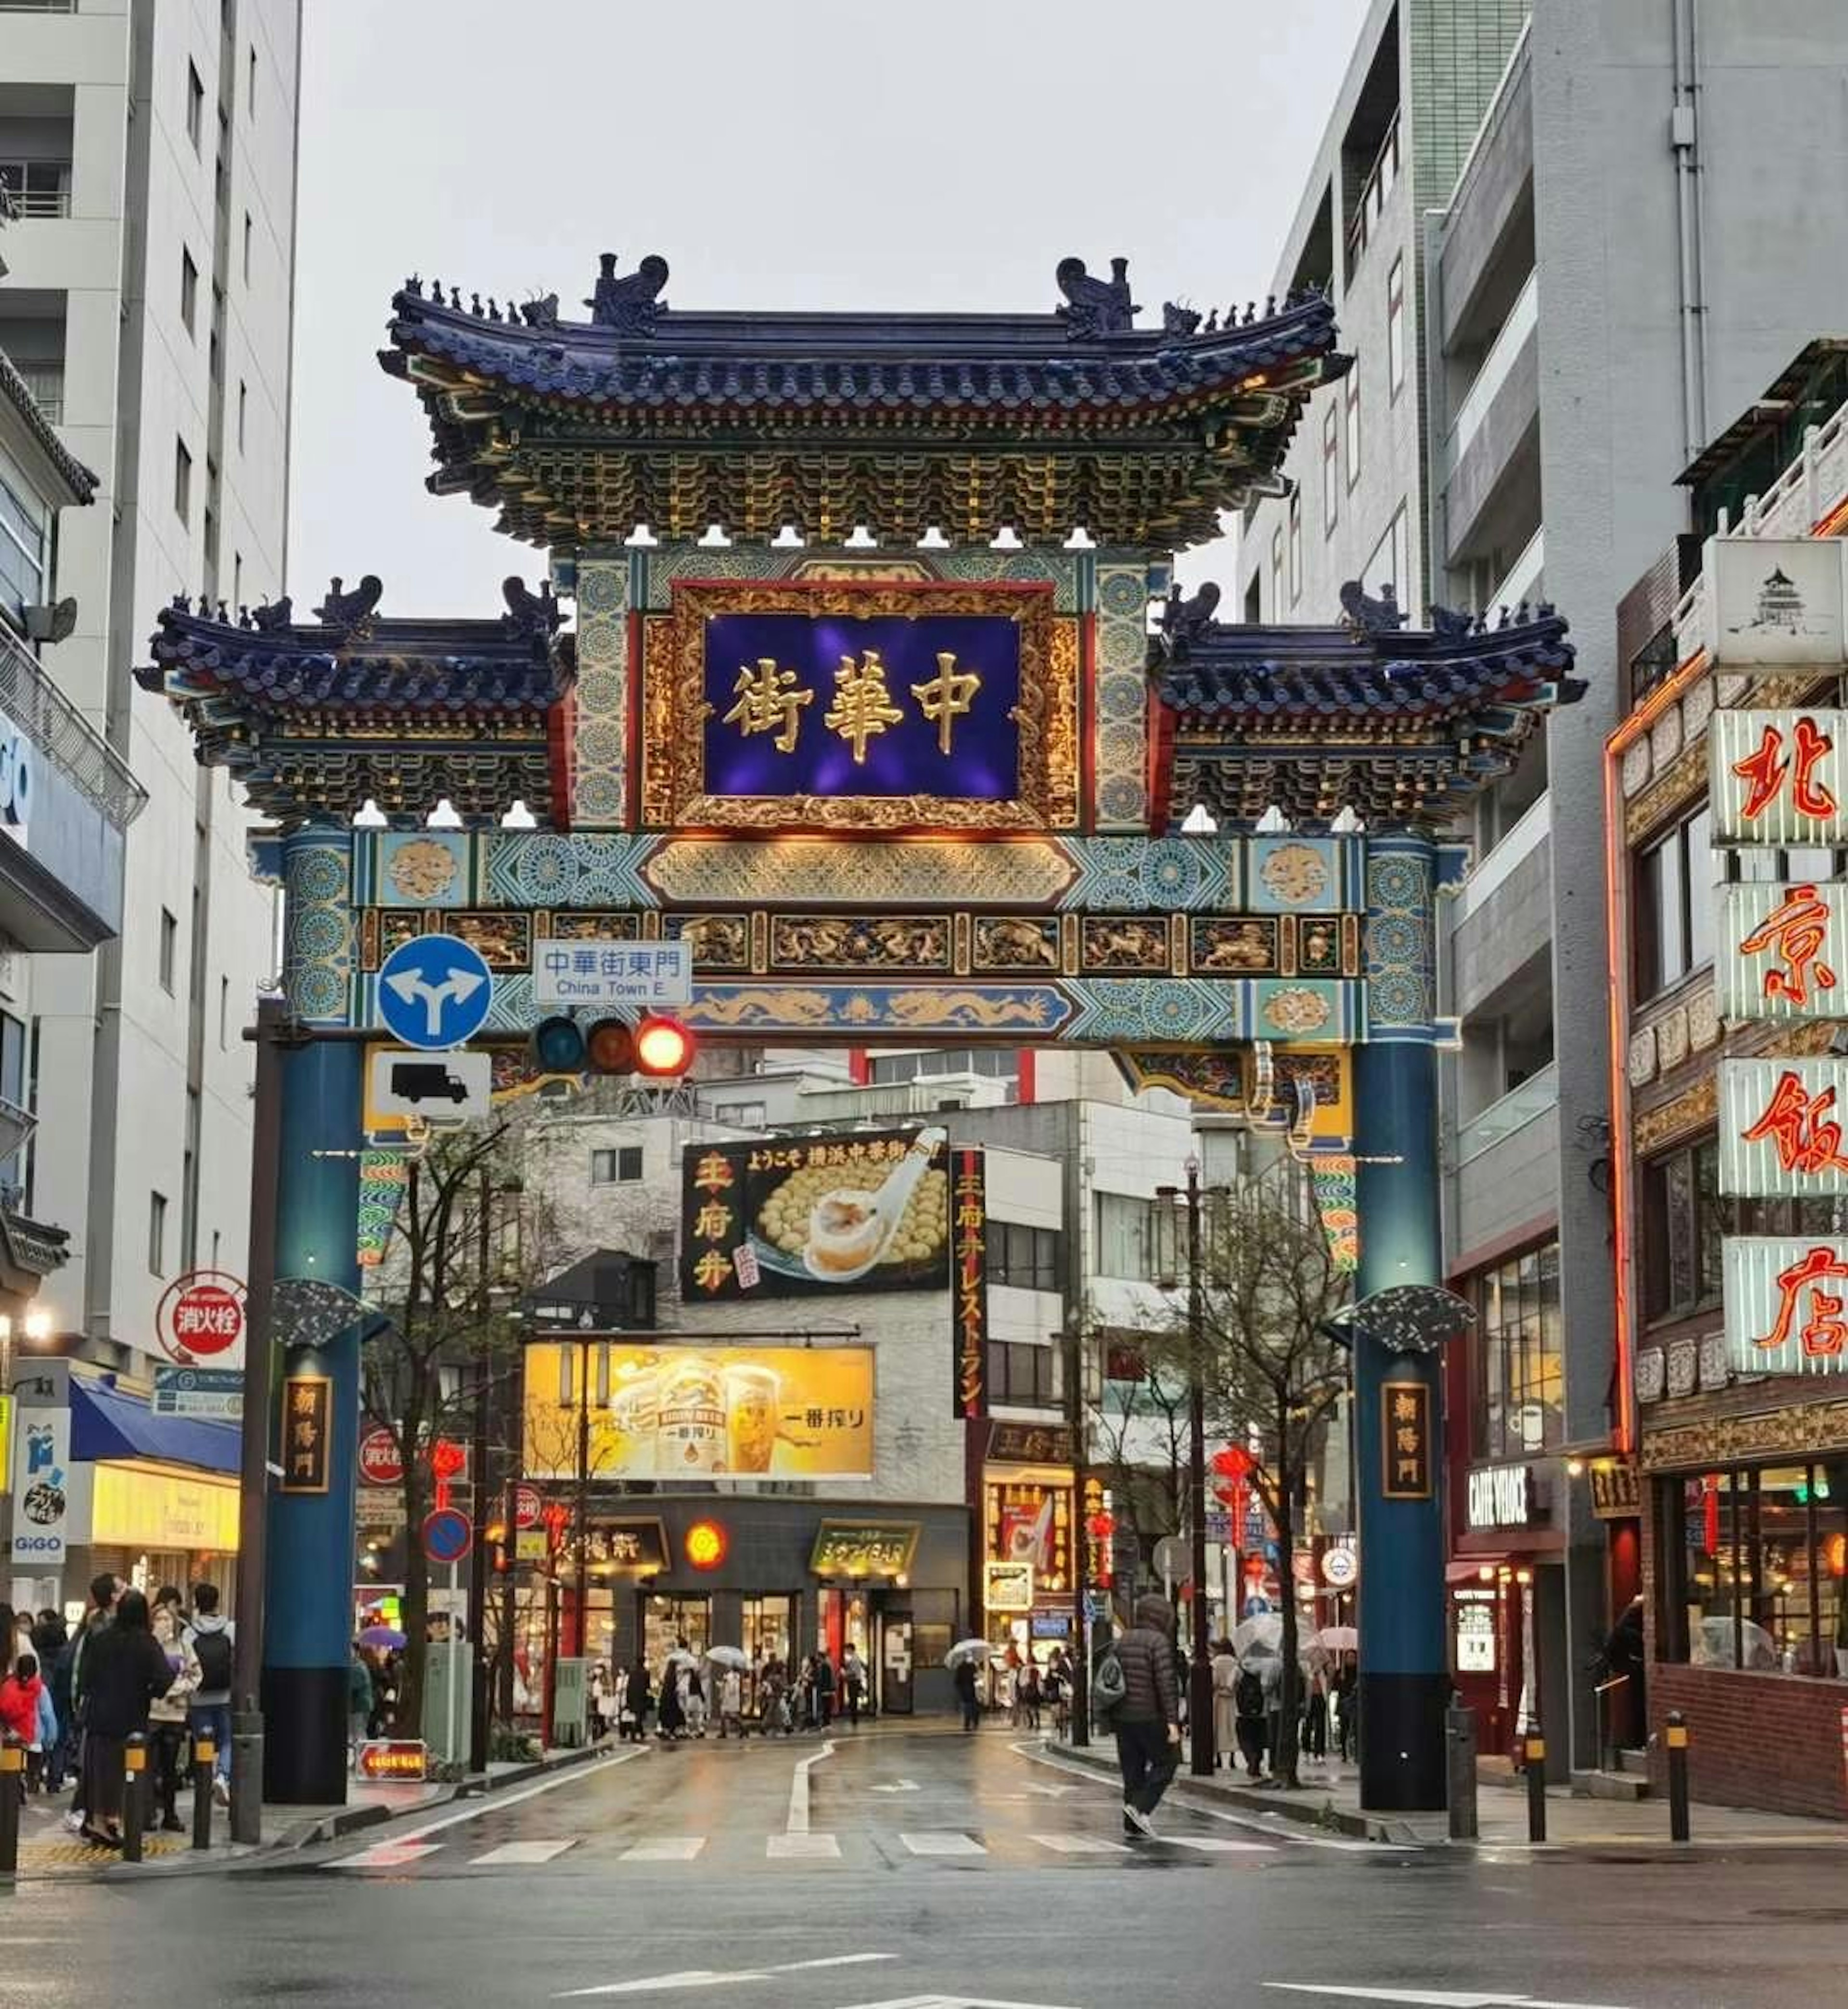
[[748, 1413], [803, 1216]]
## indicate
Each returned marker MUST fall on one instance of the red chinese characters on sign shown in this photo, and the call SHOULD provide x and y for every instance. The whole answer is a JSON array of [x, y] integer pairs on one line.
[[1806, 1136], [201, 1317], [1766, 770], [1814, 1314], [1794, 935]]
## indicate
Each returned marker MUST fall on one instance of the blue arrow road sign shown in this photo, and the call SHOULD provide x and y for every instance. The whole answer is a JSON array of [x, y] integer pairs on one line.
[[434, 990]]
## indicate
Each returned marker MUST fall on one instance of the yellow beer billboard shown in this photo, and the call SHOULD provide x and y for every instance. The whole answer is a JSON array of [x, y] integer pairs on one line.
[[745, 1413]]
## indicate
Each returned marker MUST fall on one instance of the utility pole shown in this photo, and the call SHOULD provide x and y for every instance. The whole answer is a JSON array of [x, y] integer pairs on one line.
[[583, 1574], [1079, 1660], [478, 1694], [1200, 1672]]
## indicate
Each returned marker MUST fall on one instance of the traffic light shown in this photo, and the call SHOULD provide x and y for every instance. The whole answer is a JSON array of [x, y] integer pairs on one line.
[[662, 1048]]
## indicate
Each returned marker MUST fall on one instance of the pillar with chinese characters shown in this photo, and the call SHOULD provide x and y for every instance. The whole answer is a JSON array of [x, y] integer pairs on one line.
[[308, 1607]]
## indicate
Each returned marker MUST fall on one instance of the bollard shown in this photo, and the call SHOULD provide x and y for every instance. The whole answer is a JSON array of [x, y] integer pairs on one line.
[[12, 1778], [1675, 1738], [247, 1776], [134, 1798], [205, 1763], [1536, 1762], [1460, 1745]]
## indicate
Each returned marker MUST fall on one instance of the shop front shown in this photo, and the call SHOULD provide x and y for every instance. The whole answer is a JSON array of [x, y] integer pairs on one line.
[[1745, 1558], [1029, 1553]]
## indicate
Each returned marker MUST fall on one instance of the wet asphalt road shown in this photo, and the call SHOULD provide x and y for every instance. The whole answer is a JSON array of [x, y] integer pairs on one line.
[[919, 1869]]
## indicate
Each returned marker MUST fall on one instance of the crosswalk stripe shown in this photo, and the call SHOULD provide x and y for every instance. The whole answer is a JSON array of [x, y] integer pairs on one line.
[[948, 1844], [1081, 1845], [387, 1856], [666, 1848], [1219, 1845], [782, 1846], [523, 1851]]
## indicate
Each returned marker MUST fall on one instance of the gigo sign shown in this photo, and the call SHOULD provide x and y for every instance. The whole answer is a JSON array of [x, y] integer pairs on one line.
[[1500, 1495]]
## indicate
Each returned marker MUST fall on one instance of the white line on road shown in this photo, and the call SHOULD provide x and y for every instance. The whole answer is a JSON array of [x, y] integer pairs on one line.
[[781, 1847], [799, 1789], [952, 1842], [706, 1977], [1220, 1845], [521, 1852], [387, 1856], [666, 1848], [1435, 1998], [1081, 1845]]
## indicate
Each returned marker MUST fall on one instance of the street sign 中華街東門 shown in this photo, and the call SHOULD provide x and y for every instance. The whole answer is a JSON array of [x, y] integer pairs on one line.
[[446, 1535], [605, 973], [434, 991]]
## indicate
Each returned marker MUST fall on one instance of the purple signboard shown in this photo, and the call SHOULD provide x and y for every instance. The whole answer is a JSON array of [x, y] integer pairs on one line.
[[828, 705]]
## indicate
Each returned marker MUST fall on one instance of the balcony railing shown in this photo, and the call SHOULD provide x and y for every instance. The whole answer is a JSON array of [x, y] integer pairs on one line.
[[1523, 577], [46, 381], [1513, 1111], [1371, 204], [40, 710], [38, 188], [1522, 317]]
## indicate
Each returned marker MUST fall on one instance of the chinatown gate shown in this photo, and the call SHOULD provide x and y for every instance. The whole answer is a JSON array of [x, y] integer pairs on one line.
[[905, 759]]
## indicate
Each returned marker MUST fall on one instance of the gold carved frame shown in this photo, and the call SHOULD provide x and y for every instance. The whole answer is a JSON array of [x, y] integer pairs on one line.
[[674, 711]]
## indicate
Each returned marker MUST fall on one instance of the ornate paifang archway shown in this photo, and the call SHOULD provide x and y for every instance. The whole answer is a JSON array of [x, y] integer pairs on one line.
[[927, 789]]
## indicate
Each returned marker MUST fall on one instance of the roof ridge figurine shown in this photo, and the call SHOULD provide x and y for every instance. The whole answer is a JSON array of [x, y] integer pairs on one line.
[[1368, 616], [531, 613], [351, 612], [630, 303], [1095, 306]]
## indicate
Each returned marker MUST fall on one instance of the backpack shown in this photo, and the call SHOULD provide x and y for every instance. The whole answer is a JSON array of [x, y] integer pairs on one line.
[[1248, 1696], [1109, 1685], [214, 1650]]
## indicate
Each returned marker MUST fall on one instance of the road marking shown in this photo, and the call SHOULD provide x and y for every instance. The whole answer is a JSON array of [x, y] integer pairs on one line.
[[953, 2002], [1220, 1845], [799, 1789], [1435, 1998], [946, 1843], [896, 1786], [521, 1852], [1080, 1844], [783, 1847], [706, 1977], [666, 1848], [387, 1856], [492, 1803]]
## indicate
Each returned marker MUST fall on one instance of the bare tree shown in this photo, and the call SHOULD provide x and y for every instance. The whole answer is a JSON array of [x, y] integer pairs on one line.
[[1270, 1369], [1138, 1446]]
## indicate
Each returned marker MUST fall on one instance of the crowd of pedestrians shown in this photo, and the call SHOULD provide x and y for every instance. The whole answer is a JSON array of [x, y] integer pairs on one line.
[[690, 1696]]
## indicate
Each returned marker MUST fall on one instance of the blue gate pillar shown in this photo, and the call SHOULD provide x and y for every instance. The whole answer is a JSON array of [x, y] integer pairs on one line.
[[308, 1605], [1403, 1682]]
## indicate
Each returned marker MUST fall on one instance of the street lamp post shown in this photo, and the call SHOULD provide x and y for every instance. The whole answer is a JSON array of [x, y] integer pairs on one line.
[[1200, 1670]]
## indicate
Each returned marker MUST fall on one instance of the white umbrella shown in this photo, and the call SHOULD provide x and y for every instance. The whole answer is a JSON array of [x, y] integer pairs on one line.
[[1341, 1638], [729, 1657], [967, 1650], [1261, 1635], [680, 1657], [1714, 1647]]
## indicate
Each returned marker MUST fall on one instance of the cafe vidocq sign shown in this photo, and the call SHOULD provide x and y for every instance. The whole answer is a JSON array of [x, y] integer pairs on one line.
[[1500, 1495]]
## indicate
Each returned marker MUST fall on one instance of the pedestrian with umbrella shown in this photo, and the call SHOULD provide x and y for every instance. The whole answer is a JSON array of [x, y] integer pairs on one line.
[[962, 1659], [359, 1699]]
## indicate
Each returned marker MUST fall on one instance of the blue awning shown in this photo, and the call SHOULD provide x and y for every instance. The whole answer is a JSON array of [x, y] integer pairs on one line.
[[106, 1424]]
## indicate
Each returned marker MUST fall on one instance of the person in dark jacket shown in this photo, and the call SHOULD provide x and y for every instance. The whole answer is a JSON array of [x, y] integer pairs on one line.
[[965, 1682], [1147, 1721], [124, 1669]]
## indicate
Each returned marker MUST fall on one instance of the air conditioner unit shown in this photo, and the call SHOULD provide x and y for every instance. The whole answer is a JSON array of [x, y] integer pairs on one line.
[[45, 622]]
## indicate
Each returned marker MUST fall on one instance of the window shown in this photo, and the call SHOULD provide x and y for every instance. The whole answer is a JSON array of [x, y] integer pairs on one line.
[[246, 247], [237, 579], [39, 188], [182, 482], [621, 1166], [1391, 564], [1752, 1568], [24, 553], [1396, 328], [195, 106], [169, 944], [1028, 1258], [157, 1233], [1276, 574], [251, 83], [243, 406], [1351, 403], [746, 1115], [999, 1063], [1331, 468], [188, 289], [1674, 906], [1680, 1222], [223, 1010], [1519, 1383], [1123, 1238], [1296, 545], [1024, 1375], [16, 1088]]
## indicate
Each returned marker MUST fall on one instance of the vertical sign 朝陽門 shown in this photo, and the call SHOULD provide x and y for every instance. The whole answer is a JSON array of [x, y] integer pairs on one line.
[[968, 1278], [307, 1432], [1405, 1471]]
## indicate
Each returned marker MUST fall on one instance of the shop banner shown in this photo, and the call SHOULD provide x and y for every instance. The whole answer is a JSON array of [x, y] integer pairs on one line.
[[41, 1483], [1030, 1523], [864, 1548], [860, 1211], [968, 1262], [1781, 1127], [752, 1414]]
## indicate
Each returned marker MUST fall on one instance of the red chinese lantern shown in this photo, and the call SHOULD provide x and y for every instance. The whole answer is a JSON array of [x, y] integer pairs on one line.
[[447, 1459], [1233, 1462], [1101, 1526]]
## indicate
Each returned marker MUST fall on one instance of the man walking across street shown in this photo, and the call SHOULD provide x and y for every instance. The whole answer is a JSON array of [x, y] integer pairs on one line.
[[213, 1639], [1147, 1721]]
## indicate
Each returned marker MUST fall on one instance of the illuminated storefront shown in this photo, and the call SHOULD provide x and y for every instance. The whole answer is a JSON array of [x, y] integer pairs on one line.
[[1029, 1544]]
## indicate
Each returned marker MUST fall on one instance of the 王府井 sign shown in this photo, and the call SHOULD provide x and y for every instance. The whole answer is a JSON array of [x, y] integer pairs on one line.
[[968, 1280]]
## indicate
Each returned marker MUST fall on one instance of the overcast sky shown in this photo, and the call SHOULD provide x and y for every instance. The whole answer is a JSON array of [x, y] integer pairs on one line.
[[811, 153]]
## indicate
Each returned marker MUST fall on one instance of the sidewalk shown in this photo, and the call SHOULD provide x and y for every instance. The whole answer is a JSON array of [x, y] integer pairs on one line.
[[47, 1849], [1330, 1799]]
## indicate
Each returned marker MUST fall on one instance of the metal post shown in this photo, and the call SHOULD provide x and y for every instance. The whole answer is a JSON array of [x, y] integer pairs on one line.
[[1536, 1764], [205, 1763], [583, 1570], [1459, 1739], [1675, 1738], [1079, 1660], [134, 1798], [246, 1677], [510, 1596], [478, 1698], [1200, 1674], [12, 1777]]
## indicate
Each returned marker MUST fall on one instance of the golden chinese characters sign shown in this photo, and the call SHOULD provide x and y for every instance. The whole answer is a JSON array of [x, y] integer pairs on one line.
[[307, 1426], [749, 1413], [860, 704], [1407, 1470]]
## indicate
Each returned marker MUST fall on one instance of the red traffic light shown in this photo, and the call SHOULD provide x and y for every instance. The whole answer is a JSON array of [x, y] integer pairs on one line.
[[662, 1048]]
